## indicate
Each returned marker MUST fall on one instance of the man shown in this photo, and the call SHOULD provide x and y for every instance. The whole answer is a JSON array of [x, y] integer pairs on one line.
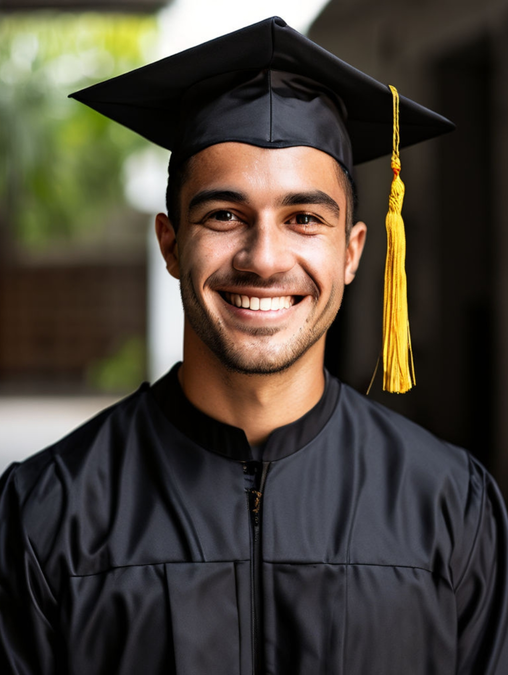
[[248, 513]]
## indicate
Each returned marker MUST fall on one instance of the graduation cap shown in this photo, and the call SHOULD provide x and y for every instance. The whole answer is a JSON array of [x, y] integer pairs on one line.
[[269, 86]]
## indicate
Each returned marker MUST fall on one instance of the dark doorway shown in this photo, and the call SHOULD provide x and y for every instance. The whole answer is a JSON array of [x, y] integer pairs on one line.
[[462, 409]]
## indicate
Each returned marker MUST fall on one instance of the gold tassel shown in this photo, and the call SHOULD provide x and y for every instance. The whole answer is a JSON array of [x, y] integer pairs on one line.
[[399, 375]]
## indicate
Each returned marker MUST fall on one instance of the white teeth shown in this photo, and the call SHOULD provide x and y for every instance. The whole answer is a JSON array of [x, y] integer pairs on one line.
[[263, 304]]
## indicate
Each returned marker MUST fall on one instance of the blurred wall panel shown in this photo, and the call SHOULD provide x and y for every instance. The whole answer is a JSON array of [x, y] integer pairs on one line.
[[56, 320]]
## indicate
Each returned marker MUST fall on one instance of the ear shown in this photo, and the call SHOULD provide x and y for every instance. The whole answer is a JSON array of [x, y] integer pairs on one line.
[[168, 244], [354, 250]]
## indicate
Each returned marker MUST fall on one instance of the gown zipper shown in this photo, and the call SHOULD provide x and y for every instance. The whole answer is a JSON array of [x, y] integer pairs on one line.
[[255, 495]]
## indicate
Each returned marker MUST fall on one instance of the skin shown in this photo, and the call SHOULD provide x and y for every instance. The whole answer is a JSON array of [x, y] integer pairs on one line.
[[264, 223]]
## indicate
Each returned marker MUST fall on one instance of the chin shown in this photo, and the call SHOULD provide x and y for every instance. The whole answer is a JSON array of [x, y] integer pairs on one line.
[[254, 367], [262, 362]]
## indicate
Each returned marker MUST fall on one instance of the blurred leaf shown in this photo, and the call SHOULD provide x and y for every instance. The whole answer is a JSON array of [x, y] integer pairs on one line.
[[60, 169], [122, 371]]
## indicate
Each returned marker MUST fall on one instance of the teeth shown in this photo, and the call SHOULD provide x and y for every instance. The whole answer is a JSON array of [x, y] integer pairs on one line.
[[263, 304]]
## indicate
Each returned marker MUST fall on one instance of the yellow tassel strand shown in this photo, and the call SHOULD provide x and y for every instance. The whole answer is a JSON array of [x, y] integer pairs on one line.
[[398, 365]]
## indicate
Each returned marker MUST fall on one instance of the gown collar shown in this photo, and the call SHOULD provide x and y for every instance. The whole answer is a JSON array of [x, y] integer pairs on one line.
[[231, 441]]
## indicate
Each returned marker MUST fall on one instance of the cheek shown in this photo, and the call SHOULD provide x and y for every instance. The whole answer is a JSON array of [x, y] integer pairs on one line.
[[202, 256], [325, 263]]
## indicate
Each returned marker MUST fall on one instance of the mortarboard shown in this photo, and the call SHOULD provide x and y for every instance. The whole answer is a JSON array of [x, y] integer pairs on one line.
[[269, 86]]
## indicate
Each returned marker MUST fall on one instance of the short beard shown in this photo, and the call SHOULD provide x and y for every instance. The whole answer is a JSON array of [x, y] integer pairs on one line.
[[212, 334]]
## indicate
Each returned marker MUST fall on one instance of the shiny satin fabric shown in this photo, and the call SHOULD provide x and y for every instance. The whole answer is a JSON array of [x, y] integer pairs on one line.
[[126, 549], [269, 109], [266, 85]]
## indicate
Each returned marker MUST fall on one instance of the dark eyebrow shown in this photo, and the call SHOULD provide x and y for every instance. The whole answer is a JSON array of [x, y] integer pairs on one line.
[[217, 196], [312, 197], [292, 199]]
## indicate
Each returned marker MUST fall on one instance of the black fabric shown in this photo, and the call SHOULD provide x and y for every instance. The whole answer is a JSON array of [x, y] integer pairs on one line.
[[266, 85], [127, 548], [257, 452], [231, 441]]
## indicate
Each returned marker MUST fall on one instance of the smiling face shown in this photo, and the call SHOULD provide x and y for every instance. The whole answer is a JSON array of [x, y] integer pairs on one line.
[[261, 253]]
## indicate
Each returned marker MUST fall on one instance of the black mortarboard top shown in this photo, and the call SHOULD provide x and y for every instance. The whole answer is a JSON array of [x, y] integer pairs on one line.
[[266, 85], [269, 86]]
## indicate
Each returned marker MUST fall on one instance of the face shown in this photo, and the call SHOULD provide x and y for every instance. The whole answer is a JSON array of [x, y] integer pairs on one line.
[[261, 253]]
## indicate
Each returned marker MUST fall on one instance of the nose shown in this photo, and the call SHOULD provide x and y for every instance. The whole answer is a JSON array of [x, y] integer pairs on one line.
[[265, 252]]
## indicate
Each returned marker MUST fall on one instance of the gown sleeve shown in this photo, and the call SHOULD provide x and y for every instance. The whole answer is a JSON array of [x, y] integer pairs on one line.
[[482, 589], [27, 605]]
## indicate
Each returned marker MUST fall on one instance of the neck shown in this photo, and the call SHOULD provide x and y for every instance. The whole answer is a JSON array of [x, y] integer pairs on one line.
[[258, 404]]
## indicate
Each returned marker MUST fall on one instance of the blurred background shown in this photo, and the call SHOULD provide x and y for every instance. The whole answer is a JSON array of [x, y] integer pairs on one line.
[[87, 311]]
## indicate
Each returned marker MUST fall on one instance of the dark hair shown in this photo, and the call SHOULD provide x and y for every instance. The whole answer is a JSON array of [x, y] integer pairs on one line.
[[348, 185], [176, 179]]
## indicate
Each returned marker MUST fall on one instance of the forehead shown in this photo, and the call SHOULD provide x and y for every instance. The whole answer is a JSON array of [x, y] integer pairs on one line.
[[269, 170]]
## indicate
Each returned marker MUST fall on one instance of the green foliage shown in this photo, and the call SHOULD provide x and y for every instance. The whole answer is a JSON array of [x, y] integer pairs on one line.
[[61, 163], [122, 371]]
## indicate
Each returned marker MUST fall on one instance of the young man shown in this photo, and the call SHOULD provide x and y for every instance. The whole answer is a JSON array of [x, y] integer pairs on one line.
[[248, 513]]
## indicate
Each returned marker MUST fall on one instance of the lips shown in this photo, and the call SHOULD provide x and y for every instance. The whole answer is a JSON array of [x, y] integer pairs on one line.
[[263, 304]]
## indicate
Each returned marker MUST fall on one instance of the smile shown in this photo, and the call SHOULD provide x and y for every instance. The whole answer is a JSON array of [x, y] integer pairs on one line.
[[260, 304]]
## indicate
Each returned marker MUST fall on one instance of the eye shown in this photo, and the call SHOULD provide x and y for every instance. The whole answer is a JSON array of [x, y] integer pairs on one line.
[[222, 220], [305, 221], [224, 216]]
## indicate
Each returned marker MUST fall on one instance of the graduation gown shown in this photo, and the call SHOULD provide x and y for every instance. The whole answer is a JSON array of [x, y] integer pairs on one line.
[[149, 541]]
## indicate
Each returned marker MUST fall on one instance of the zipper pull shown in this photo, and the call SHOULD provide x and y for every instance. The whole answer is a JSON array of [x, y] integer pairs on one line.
[[257, 500]]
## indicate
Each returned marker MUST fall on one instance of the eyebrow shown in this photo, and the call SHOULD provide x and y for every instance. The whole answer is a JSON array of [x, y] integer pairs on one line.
[[316, 197], [217, 196]]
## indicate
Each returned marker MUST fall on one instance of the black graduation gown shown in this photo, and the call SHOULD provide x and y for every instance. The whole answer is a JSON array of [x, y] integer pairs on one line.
[[141, 543]]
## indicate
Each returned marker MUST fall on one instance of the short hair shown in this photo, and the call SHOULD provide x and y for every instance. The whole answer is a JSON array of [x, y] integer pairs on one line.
[[348, 184], [177, 178]]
